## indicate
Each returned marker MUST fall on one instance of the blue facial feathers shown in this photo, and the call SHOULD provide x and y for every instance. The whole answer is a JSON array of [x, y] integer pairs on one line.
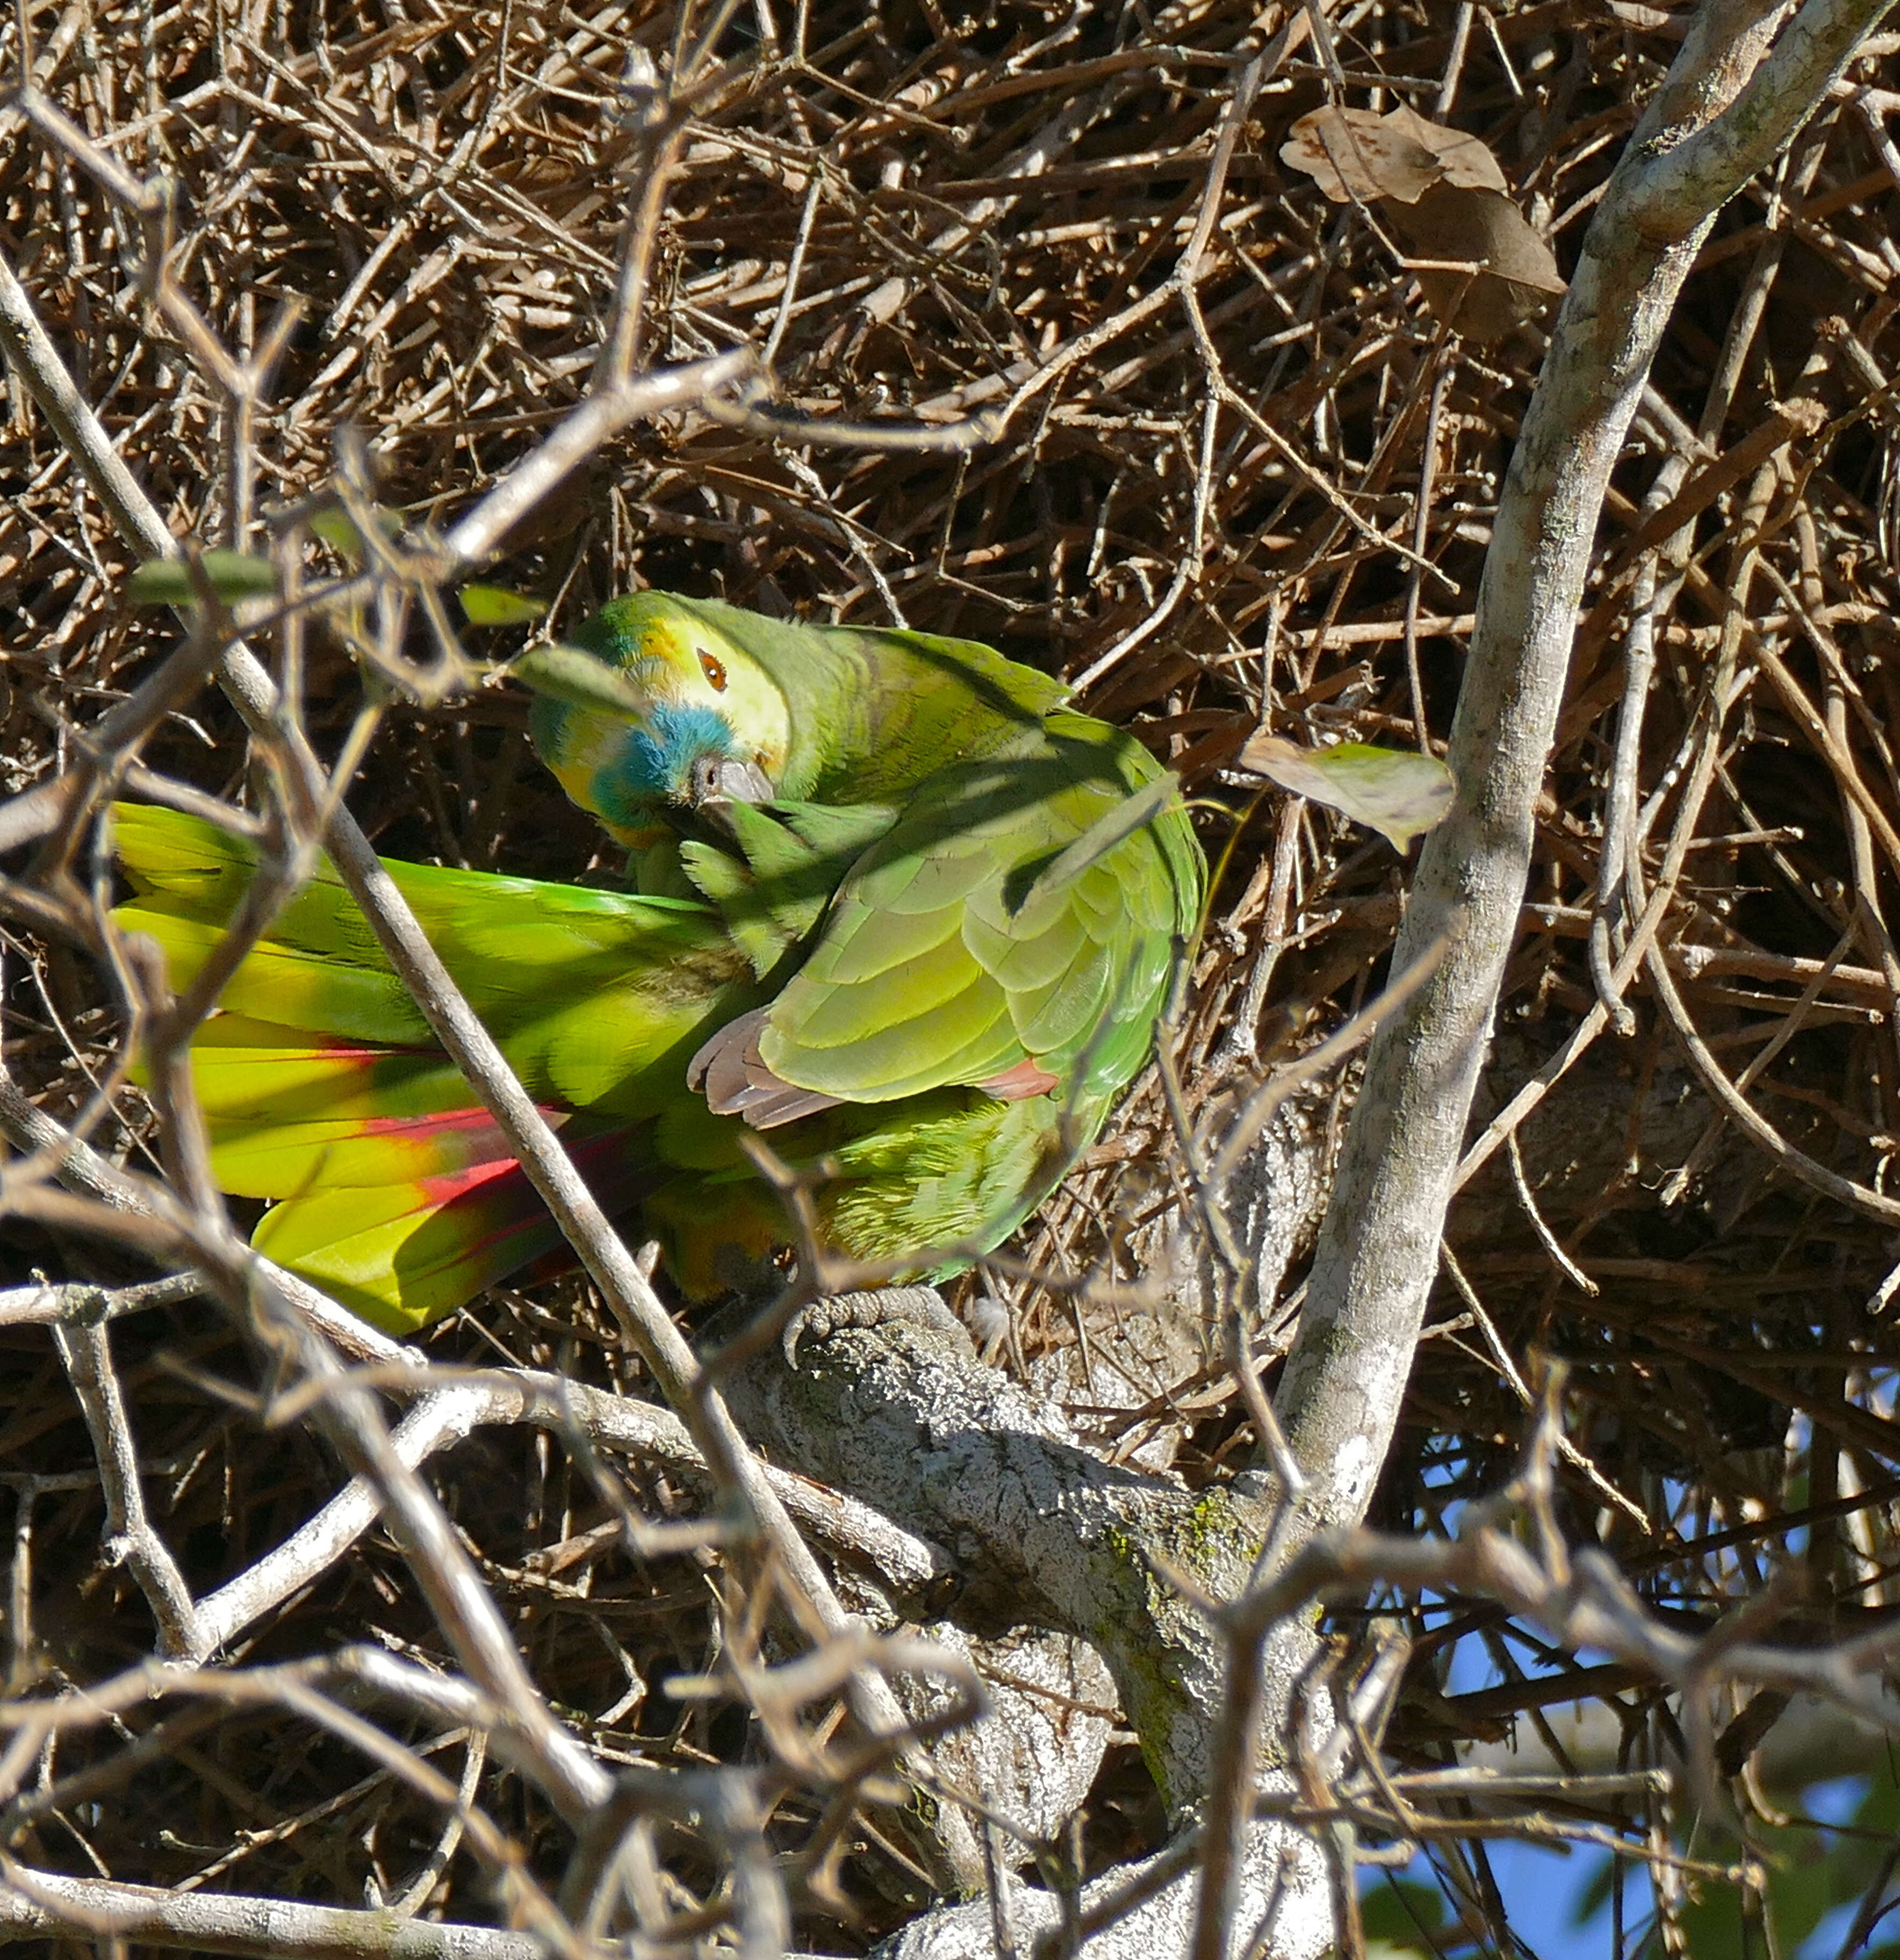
[[652, 762]]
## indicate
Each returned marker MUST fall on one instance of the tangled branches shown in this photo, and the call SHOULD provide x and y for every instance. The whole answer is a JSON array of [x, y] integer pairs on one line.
[[1014, 325]]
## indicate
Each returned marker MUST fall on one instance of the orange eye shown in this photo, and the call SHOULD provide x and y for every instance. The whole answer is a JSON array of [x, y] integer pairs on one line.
[[714, 672]]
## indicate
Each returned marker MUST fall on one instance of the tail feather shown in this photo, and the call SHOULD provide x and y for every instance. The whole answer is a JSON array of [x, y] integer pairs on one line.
[[292, 1112], [324, 1090], [297, 986], [408, 1254]]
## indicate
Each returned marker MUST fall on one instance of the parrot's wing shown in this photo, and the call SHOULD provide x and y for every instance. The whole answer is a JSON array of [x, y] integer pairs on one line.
[[589, 993], [962, 950]]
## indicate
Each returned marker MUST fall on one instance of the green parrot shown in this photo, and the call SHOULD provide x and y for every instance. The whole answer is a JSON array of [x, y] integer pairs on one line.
[[894, 905]]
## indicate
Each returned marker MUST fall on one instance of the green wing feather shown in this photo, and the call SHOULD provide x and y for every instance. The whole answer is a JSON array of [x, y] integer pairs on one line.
[[1016, 912]]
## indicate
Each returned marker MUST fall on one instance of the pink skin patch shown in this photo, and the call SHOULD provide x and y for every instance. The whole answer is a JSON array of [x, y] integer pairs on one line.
[[1029, 1077]]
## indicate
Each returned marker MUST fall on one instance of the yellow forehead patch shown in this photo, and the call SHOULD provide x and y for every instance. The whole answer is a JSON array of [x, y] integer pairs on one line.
[[705, 669]]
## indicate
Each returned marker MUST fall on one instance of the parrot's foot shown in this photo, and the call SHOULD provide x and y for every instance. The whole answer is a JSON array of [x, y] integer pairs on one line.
[[905, 1305]]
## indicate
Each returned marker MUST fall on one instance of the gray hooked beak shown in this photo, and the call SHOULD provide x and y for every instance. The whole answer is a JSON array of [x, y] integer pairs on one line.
[[713, 782]]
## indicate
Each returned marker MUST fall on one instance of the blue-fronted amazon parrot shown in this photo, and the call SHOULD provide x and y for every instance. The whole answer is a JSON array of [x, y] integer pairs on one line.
[[896, 906]]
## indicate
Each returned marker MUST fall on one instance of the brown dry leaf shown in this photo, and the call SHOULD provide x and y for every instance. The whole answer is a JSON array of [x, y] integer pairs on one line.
[[1443, 193], [1481, 227], [1467, 162], [1353, 154]]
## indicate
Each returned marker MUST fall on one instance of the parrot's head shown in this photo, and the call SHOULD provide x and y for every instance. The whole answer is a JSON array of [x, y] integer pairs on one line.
[[703, 723]]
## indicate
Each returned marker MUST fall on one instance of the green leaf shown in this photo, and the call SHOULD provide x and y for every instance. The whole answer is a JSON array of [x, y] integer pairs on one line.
[[1401, 1916], [167, 581], [1398, 793], [335, 527], [573, 674], [496, 606]]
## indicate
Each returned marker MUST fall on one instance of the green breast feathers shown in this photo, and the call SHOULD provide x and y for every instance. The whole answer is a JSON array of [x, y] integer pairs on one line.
[[893, 904]]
